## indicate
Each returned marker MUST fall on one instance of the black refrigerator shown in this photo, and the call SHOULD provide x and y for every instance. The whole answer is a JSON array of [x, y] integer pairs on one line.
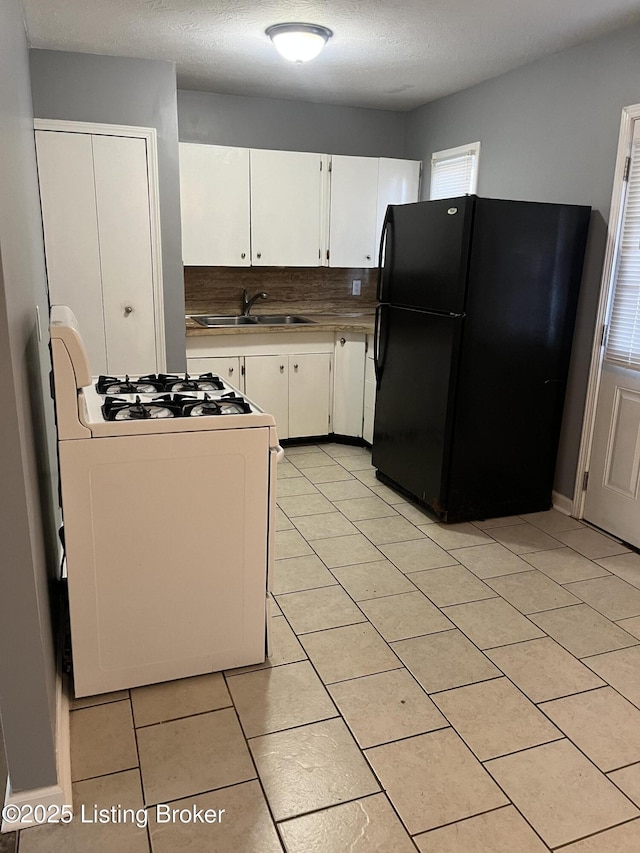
[[477, 302]]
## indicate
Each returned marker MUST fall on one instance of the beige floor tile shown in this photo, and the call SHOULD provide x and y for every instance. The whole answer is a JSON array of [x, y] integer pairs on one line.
[[582, 631], [559, 791], [317, 609], [620, 839], [564, 565], [289, 543], [524, 538], [298, 573], [628, 780], [368, 477], [193, 755], [499, 831], [349, 652], [324, 525], [591, 544], [245, 827], [417, 514], [305, 504], [613, 597], [492, 623], [461, 535], [544, 670], [381, 531], [386, 707], [373, 580], [444, 660], [157, 703], [303, 461], [625, 566], [500, 521], [100, 699], [532, 591], [410, 614], [285, 648], [451, 585], [295, 486], [389, 495], [631, 626], [280, 698], [552, 521], [490, 561], [494, 718], [337, 450], [104, 792], [286, 470], [328, 474], [102, 740], [311, 767], [433, 779], [272, 604], [282, 522], [345, 550], [417, 555], [298, 449], [364, 826], [604, 725], [357, 509], [346, 490], [356, 463]]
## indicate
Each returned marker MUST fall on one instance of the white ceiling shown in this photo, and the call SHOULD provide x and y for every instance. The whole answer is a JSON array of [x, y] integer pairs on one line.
[[386, 54]]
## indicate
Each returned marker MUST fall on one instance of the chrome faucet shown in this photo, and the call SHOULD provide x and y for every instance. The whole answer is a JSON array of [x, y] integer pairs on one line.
[[247, 303]]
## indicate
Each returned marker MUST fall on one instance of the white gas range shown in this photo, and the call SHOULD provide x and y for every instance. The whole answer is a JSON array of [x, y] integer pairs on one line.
[[168, 501]]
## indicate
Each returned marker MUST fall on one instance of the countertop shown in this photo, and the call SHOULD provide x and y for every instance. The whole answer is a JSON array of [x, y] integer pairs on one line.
[[359, 323]]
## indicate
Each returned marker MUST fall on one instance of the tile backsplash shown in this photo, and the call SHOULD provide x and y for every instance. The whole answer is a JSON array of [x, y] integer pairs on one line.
[[309, 290]]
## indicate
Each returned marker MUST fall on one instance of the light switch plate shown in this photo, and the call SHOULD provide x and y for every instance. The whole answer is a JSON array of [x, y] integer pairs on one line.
[[356, 284]]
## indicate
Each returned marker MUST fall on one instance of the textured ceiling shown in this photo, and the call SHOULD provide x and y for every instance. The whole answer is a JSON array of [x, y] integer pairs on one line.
[[384, 54]]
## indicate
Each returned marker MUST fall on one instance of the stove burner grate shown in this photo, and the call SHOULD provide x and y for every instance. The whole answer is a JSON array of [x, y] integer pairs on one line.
[[164, 382]]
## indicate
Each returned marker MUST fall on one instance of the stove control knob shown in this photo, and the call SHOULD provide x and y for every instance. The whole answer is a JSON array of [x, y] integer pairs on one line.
[[128, 309]]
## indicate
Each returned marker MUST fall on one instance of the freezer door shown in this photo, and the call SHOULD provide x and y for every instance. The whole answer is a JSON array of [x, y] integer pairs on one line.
[[424, 254], [416, 370]]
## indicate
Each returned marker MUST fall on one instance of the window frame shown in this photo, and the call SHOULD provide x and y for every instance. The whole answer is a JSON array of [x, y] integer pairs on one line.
[[471, 149]]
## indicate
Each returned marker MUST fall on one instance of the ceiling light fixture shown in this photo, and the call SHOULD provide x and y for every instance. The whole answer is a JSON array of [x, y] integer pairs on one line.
[[299, 42]]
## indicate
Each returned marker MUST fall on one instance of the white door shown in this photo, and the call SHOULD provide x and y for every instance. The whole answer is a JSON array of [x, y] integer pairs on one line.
[[266, 382], [398, 183], [348, 384], [612, 500], [309, 394], [352, 223], [286, 208], [214, 201]]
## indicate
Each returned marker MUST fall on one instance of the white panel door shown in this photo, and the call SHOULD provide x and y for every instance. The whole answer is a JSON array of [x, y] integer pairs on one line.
[[214, 200], [348, 384], [398, 183], [266, 382], [352, 223], [67, 198], [122, 201], [286, 208], [309, 394]]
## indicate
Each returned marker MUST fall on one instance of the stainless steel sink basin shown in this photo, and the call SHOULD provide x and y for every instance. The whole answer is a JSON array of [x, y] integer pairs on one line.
[[280, 319], [210, 321]]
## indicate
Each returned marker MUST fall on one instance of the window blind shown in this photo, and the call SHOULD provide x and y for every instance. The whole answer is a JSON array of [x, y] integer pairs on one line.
[[454, 172], [623, 342]]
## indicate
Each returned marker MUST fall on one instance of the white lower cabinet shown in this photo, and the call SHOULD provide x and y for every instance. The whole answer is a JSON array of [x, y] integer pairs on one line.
[[348, 388], [266, 382], [228, 368]]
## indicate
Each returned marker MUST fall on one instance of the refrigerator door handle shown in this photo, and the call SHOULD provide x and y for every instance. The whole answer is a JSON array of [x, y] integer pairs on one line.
[[385, 252], [379, 345], [376, 348]]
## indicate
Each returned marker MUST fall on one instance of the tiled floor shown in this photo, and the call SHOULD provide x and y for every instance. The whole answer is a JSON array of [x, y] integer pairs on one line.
[[444, 689]]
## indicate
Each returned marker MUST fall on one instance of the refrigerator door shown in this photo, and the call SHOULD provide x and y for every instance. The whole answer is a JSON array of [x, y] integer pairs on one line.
[[424, 254], [416, 370]]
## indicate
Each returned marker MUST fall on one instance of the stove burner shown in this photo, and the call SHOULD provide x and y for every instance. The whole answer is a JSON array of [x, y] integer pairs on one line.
[[228, 404], [115, 409], [164, 382], [204, 382]]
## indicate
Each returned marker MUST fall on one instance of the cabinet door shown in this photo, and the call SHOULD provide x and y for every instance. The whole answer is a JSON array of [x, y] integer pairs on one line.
[[352, 224], [369, 397], [348, 384], [226, 368], [309, 394], [286, 208], [266, 379], [214, 200], [68, 201], [398, 183]]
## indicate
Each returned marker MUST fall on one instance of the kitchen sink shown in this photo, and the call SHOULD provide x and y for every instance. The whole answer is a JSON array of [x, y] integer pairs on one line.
[[280, 319], [209, 321]]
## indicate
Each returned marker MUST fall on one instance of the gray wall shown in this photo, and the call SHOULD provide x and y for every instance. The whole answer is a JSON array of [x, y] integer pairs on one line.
[[27, 446], [289, 125], [140, 92], [548, 132]]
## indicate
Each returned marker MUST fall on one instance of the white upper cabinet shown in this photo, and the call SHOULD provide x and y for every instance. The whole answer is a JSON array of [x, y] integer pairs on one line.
[[352, 223], [214, 199], [287, 196], [398, 183]]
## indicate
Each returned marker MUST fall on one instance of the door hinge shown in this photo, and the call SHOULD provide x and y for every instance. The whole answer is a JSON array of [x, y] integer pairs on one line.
[[603, 336], [320, 165], [242, 370], [328, 254], [585, 481], [331, 165], [627, 169]]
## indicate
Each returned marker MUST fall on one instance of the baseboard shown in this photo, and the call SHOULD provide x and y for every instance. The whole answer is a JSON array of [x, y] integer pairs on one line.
[[562, 503], [53, 797]]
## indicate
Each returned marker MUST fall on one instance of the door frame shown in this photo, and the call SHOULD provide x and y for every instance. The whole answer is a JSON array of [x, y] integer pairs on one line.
[[630, 115], [149, 134]]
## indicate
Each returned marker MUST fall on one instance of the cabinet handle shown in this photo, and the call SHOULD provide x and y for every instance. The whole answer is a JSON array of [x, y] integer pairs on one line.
[[259, 255], [282, 368], [343, 341], [243, 255], [368, 257], [295, 366], [128, 309], [230, 371]]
